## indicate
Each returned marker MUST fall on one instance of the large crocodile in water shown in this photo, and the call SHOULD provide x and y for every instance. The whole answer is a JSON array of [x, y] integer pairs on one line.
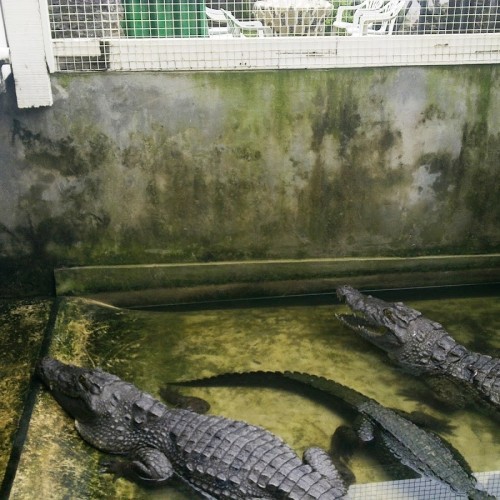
[[422, 346], [217, 457], [421, 450]]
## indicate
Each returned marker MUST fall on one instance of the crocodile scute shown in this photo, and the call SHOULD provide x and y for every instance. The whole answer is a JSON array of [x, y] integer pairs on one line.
[[218, 458], [421, 450]]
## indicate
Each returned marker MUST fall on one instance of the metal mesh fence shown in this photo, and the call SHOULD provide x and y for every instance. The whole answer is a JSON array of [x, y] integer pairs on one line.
[[137, 34], [85, 19], [240, 18], [420, 489]]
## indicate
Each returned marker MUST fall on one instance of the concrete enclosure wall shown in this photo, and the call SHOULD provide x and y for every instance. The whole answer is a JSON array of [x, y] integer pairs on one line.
[[165, 167]]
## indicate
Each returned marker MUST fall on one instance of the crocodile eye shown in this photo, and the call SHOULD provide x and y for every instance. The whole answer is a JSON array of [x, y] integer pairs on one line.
[[389, 315], [88, 385], [83, 381]]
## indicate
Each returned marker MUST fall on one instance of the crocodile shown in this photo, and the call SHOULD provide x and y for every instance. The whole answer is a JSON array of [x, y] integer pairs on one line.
[[421, 346], [178, 400], [217, 457], [422, 451]]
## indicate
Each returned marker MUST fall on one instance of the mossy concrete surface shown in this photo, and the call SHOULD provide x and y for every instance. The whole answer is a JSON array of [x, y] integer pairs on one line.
[[22, 327], [160, 283], [209, 167], [152, 348]]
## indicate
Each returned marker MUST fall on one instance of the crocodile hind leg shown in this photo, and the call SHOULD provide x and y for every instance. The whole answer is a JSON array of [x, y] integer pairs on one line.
[[321, 462], [346, 440]]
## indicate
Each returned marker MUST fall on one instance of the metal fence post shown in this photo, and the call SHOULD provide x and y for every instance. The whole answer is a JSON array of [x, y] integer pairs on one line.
[[30, 50]]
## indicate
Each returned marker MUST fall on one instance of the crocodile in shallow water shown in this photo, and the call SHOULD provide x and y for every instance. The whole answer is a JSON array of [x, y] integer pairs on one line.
[[421, 450], [422, 346], [217, 457]]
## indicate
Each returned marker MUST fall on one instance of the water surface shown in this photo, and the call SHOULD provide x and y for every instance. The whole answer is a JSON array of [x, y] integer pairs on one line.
[[150, 348]]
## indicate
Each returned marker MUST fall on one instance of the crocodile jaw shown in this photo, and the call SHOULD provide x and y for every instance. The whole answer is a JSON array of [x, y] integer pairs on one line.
[[379, 336], [387, 325]]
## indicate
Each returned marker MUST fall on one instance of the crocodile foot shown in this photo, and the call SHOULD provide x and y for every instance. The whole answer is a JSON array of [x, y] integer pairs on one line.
[[343, 443], [116, 468]]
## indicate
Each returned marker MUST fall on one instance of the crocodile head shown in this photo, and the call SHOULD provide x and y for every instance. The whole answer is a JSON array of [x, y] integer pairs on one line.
[[101, 403], [404, 333], [79, 391]]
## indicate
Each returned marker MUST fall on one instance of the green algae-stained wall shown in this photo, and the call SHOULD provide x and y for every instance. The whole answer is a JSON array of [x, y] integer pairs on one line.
[[167, 167]]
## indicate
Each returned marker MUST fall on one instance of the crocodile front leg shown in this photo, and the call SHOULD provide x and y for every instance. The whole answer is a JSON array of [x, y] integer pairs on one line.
[[147, 466], [478, 375]]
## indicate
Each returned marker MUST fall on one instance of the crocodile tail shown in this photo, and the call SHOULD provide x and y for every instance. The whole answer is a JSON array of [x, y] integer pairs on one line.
[[232, 379], [261, 377], [350, 396]]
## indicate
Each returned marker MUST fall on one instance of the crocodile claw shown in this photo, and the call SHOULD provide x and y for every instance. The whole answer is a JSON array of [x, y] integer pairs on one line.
[[116, 468]]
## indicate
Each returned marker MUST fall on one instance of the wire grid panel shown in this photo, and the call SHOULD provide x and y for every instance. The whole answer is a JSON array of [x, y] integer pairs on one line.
[[189, 18], [420, 489], [254, 34], [85, 18]]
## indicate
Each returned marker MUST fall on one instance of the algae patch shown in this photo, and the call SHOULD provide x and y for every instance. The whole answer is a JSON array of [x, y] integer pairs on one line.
[[22, 326]]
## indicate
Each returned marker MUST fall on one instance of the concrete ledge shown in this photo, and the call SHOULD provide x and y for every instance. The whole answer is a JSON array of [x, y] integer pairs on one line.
[[134, 284]]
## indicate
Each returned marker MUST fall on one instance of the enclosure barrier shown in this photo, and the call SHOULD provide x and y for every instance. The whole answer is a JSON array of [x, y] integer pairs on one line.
[[196, 18], [157, 35], [134, 35], [4, 55], [419, 489]]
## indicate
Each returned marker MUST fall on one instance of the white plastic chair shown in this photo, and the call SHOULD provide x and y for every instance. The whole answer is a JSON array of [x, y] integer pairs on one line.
[[217, 18], [237, 27], [365, 5], [371, 17], [216, 15]]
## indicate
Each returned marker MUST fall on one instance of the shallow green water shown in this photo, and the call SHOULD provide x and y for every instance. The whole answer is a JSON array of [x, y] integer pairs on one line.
[[151, 348]]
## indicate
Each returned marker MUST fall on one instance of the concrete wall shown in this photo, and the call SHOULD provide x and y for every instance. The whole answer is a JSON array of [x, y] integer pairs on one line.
[[138, 168]]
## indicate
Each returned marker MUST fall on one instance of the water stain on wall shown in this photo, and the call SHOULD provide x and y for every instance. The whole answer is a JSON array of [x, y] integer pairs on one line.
[[170, 167]]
